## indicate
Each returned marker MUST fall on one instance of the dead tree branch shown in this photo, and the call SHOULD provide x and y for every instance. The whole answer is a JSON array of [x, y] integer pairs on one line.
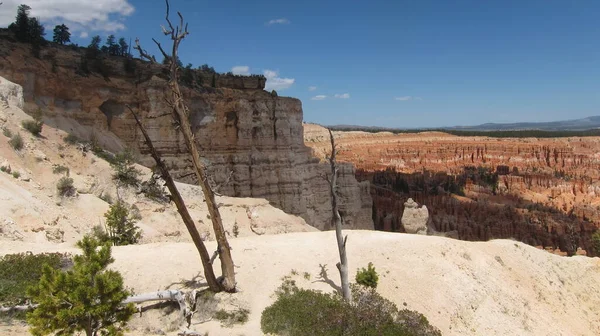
[[143, 53], [181, 208], [180, 113], [336, 221]]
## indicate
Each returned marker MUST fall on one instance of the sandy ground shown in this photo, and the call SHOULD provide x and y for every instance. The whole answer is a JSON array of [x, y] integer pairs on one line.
[[500, 287]]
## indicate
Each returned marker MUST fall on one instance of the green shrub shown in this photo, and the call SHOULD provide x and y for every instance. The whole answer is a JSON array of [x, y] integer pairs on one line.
[[16, 174], [307, 312], [120, 225], [60, 169], [71, 139], [100, 234], [154, 191], [16, 142], [65, 187], [228, 319], [106, 156], [18, 271], [34, 126], [129, 65], [124, 169], [596, 243], [101, 67], [367, 277], [87, 298], [6, 132], [303, 312], [83, 69]]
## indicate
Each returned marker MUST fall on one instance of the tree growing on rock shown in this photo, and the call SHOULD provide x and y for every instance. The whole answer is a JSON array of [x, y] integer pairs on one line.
[[123, 47], [121, 228], [125, 172], [61, 34], [87, 298], [181, 115], [27, 29], [21, 25]]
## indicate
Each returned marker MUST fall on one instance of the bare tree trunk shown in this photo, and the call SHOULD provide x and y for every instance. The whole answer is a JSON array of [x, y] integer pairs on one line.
[[180, 112], [166, 295], [336, 220], [209, 273]]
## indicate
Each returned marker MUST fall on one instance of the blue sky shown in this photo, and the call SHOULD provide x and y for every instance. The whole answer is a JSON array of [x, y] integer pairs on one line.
[[390, 63]]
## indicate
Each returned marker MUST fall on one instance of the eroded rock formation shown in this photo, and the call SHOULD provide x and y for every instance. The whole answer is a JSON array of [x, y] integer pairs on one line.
[[544, 192], [251, 140], [414, 219]]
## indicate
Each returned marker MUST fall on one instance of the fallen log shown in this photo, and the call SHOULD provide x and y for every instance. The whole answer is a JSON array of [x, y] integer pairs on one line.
[[186, 302], [17, 308]]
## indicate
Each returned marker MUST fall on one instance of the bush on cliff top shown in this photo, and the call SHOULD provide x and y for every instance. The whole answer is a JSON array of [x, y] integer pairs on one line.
[[308, 312]]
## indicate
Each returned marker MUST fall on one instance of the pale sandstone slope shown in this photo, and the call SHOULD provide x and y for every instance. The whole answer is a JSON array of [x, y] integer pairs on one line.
[[499, 287], [31, 210]]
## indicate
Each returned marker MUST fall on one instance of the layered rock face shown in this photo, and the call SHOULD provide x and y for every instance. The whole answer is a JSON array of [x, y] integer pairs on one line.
[[252, 141]]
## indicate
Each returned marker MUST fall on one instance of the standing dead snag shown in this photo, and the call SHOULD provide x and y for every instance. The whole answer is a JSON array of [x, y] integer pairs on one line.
[[209, 273], [181, 115], [336, 220]]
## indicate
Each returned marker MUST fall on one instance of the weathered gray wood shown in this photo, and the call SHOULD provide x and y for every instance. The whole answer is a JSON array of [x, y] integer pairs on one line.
[[336, 220], [181, 115], [186, 302], [209, 273], [17, 308]]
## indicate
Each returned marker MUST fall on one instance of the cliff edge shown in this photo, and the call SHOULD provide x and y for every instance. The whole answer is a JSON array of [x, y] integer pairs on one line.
[[252, 140]]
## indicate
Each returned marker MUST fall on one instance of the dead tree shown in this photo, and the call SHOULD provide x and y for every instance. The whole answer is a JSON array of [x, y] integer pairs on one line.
[[336, 220], [181, 116], [209, 273]]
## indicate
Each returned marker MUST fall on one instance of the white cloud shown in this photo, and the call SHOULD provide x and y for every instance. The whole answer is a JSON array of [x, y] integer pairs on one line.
[[79, 15], [84, 34], [312, 88], [407, 98], [278, 21], [241, 70], [274, 82], [342, 96], [319, 97]]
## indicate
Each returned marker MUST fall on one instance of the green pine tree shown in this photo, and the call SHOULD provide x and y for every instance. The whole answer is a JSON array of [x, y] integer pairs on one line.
[[21, 25], [125, 172], [61, 34], [120, 225], [87, 298], [123, 47]]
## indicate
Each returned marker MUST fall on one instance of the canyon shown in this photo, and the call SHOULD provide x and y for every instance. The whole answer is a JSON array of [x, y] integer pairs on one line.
[[251, 140], [544, 192]]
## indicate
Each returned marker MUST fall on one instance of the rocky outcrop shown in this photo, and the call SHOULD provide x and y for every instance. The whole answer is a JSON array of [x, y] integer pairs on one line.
[[414, 219], [252, 141], [11, 94]]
